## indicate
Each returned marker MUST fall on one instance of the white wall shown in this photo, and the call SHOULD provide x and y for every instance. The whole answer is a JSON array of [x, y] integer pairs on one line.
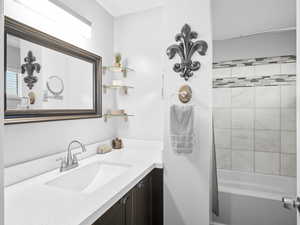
[[260, 45], [186, 177], [139, 38], [29, 141], [1, 117], [233, 18], [298, 104]]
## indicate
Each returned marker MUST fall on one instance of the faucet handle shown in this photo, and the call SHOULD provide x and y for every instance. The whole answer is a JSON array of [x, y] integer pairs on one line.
[[75, 159], [63, 162]]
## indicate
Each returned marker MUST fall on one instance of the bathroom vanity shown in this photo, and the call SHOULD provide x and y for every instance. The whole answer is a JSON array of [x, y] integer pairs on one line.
[[123, 187], [142, 205]]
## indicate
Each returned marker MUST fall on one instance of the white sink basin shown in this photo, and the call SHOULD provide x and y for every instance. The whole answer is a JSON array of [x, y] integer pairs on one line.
[[89, 178]]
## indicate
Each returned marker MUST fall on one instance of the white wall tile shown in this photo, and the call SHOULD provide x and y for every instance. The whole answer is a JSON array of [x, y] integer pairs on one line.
[[266, 70], [243, 71], [288, 165], [288, 68], [267, 119], [288, 96], [267, 141], [256, 126], [243, 97], [222, 97], [267, 97], [221, 72], [242, 139], [288, 119], [223, 158], [242, 161], [288, 142], [222, 118], [223, 138], [242, 118], [267, 163]]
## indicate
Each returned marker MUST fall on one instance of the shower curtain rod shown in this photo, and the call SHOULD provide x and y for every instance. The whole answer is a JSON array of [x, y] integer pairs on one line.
[[256, 33]]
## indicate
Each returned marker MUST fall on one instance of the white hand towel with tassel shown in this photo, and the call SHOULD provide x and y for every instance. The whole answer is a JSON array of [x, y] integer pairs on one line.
[[182, 128]]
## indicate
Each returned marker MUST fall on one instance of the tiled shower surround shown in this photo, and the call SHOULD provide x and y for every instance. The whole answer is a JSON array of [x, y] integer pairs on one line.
[[255, 127]]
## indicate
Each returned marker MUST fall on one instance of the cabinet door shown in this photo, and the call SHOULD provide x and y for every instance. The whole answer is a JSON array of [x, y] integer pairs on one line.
[[127, 208], [143, 202], [143, 205], [114, 216], [157, 197]]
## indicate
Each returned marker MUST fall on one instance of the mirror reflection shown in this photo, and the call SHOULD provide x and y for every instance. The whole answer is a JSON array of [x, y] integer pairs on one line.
[[39, 78]]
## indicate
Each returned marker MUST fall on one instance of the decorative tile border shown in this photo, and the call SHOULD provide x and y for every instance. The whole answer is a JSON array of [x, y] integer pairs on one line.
[[273, 80], [255, 61]]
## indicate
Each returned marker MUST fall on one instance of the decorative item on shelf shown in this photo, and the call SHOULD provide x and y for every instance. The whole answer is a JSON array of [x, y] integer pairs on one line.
[[117, 84], [118, 67], [32, 97], [103, 149], [118, 59], [186, 49], [117, 143], [116, 113], [30, 67]]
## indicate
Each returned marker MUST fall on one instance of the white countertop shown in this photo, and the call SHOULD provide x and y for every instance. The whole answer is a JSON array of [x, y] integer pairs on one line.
[[33, 203]]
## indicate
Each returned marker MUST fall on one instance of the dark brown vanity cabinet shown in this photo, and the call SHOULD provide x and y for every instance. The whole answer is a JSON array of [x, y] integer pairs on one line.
[[142, 201], [142, 205], [120, 213], [114, 216]]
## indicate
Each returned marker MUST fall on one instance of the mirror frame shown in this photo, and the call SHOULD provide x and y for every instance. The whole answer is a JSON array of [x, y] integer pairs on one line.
[[33, 35]]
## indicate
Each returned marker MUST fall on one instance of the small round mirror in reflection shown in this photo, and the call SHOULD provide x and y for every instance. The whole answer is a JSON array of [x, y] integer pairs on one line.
[[55, 85]]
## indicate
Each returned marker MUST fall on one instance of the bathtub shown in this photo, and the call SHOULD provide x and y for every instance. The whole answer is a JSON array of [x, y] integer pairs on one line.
[[254, 199]]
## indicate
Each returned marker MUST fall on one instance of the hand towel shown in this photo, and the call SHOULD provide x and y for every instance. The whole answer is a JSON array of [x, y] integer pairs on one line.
[[182, 128]]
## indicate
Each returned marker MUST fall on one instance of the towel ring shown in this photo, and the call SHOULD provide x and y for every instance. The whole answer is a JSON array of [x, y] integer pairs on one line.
[[185, 93]]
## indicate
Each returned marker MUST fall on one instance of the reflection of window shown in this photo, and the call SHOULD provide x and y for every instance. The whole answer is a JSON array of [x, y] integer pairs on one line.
[[12, 83]]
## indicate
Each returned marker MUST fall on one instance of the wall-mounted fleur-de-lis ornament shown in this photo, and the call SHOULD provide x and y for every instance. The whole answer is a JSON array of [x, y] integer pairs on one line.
[[30, 67], [185, 49]]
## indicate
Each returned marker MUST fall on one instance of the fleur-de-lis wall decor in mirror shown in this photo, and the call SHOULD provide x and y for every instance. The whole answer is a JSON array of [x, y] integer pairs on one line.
[[30, 67], [186, 49]]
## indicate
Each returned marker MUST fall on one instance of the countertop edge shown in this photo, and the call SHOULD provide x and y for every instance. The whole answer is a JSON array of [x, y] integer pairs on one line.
[[102, 209], [143, 166]]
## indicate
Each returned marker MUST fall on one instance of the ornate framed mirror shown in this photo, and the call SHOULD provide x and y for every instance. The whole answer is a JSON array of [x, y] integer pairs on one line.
[[48, 79]]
